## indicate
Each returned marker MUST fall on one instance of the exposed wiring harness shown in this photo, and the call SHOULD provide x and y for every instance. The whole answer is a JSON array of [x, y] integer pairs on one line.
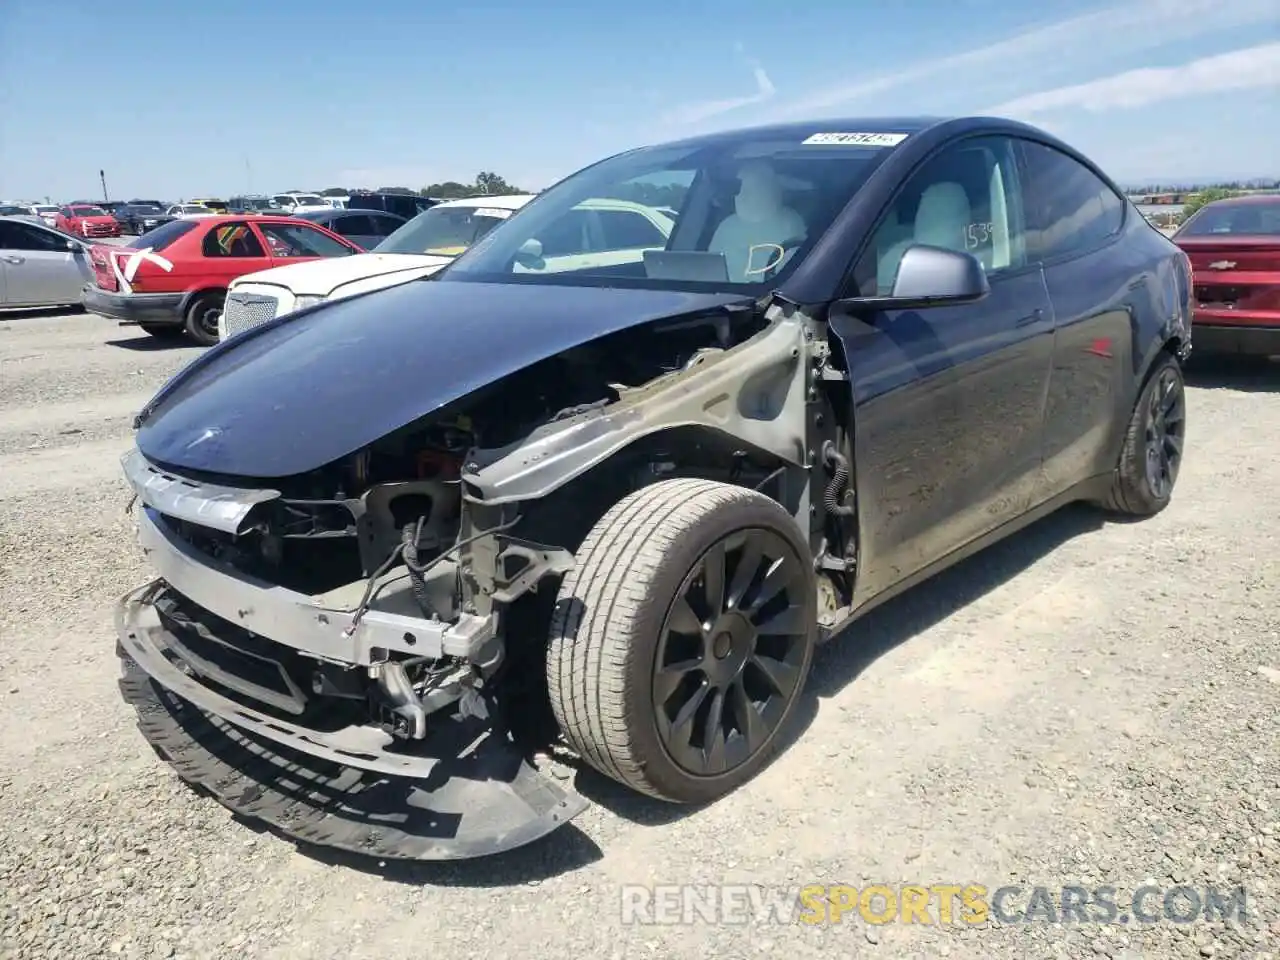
[[372, 588]]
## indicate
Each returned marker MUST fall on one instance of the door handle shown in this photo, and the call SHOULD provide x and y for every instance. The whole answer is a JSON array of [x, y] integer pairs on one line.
[[1035, 316], [15, 260]]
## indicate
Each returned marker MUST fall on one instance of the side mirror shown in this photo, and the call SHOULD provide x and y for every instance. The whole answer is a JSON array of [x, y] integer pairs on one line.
[[930, 277], [530, 254]]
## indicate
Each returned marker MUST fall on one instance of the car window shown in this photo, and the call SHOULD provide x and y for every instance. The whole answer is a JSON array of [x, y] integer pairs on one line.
[[1069, 209], [567, 235], [623, 230], [295, 240], [230, 240], [966, 199], [15, 235], [384, 225], [163, 235], [355, 225], [1234, 219], [752, 208], [441, 230]]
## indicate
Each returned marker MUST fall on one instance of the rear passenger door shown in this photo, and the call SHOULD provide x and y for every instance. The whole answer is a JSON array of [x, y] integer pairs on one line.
[[1073, 222], [948, 401], [231, 250]]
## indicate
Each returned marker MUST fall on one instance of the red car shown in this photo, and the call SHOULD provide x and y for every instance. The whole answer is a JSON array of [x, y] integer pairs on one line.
[[86, 220], [1234, 246], [174, 278]]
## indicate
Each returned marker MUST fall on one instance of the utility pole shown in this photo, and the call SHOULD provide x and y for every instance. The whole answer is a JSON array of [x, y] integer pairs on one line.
[[248, 175], [102, 176]]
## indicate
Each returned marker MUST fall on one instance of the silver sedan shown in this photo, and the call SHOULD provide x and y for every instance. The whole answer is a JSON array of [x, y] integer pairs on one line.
[[40, 266]]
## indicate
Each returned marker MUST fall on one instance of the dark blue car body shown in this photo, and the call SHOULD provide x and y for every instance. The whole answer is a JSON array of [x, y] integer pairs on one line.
[[709, 478]]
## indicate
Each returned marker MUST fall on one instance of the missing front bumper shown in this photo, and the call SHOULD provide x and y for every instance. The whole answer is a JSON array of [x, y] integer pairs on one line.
[[464, 792]]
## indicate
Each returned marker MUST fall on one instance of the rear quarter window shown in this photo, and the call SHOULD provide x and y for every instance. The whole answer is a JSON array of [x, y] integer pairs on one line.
[[162, 236], [1069, 209]]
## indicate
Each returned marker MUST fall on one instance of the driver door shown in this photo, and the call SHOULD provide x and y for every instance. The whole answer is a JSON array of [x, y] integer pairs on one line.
[[948, 402]]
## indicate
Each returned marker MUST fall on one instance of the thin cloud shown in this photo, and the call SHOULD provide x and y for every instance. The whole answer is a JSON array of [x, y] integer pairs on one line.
[[692, 113], [1124, 29], [1253, 67]]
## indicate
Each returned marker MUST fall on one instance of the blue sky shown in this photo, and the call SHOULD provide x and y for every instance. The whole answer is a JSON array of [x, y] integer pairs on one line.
[[176, 100]]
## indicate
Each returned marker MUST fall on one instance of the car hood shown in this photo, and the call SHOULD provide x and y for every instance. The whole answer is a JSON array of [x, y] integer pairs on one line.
[[313, 386], [321, 277]]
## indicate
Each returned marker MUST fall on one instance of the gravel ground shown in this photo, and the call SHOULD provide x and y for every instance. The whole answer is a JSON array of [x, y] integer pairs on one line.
[[1088, 704]]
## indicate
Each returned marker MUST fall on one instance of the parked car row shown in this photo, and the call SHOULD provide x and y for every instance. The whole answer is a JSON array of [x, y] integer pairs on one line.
[[1233, 246], [174, 278], [172, 275]]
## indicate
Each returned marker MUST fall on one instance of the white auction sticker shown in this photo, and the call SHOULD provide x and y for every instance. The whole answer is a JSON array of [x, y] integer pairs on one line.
[[498, 213], [856, 139]]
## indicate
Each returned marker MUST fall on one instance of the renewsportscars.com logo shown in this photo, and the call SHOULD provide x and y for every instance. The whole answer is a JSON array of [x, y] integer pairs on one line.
[[939, 904]]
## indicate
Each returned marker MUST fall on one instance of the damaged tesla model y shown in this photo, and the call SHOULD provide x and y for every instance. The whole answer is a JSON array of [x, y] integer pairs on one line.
[[598, 488]]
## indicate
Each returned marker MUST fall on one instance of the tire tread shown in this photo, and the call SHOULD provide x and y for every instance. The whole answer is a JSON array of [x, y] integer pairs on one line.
[[593, 632]]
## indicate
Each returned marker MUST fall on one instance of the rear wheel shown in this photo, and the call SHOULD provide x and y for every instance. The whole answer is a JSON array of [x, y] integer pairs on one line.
[[202, 318], [1152, 451], [682, 638]]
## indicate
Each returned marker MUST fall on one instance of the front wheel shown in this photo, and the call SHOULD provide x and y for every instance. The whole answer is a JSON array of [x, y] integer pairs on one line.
[[1151, 454], [202, 318], [682, 638]]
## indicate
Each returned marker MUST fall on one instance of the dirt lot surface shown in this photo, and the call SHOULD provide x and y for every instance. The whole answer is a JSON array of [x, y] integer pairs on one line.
[[1088, 704]]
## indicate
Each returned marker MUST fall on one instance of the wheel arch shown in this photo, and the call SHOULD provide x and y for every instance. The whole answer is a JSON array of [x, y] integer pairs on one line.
[[563, 512], [191, 296]]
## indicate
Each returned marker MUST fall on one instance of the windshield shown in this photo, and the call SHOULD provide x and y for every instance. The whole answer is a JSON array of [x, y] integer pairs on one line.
[[143, 208], [88, 212], [445, 231], [750, 209], [41, 208], [1238, 219], [309, 200], [9, 211], [193, 208]]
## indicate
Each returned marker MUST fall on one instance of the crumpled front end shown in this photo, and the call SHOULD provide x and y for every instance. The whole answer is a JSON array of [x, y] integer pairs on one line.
[[312, 695]]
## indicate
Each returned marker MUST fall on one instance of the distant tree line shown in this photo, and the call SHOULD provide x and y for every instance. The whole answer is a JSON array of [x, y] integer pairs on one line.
[[487, 183], [1261, 183]]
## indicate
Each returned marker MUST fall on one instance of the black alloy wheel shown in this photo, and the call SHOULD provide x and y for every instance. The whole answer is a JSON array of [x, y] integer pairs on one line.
[[1152, 448], [1164, 432], [731, 653], [681, 639]]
